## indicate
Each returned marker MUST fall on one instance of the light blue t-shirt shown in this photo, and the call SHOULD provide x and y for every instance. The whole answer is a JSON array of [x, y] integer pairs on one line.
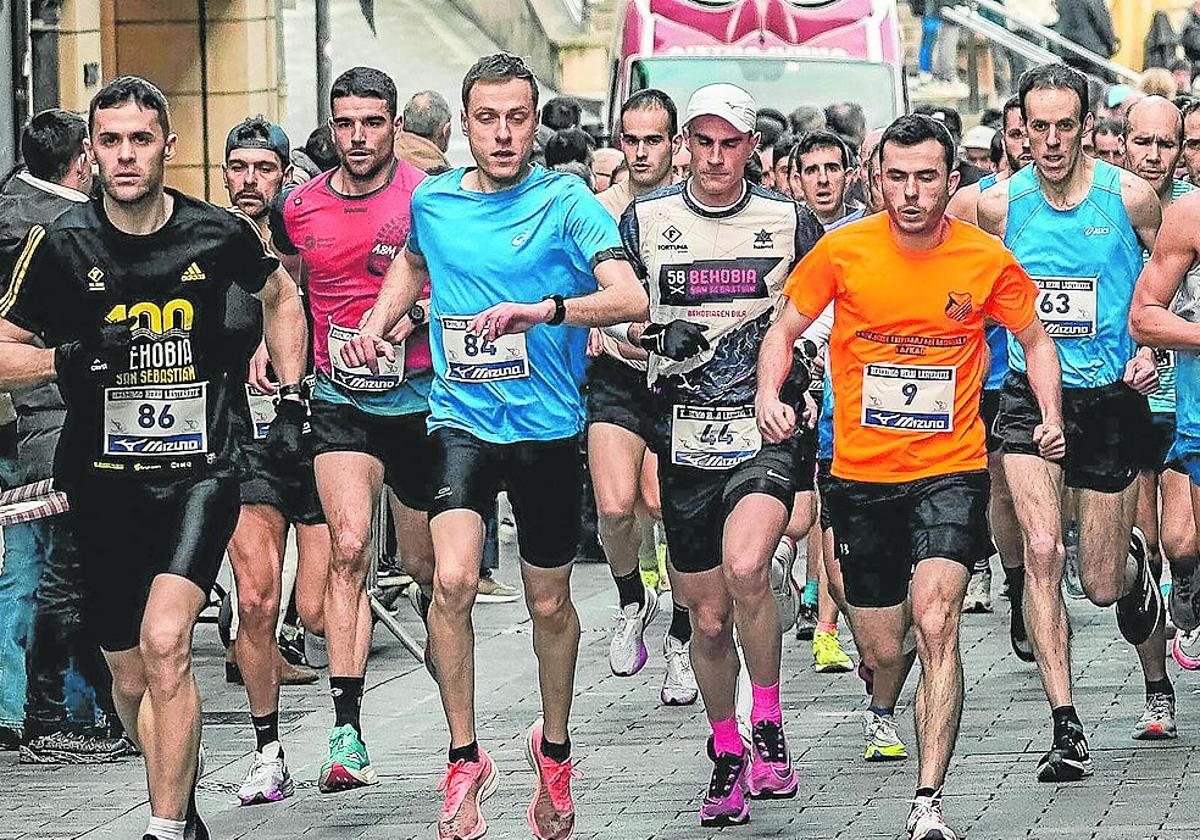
[[1085, 262], [522, 244]]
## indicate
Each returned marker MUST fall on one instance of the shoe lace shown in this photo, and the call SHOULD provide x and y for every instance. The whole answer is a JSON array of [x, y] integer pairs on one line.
[[455, 784], [826, 646], [726, 769], [558, 782], [928, 808], [342, 741], [1158, 706], [769, 742]]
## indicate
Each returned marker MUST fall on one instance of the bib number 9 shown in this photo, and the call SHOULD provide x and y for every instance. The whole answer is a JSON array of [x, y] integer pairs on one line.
[[149, 418]]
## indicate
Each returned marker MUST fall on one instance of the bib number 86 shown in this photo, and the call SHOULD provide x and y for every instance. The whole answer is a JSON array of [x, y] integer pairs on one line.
[[476, 345], [149, 418]]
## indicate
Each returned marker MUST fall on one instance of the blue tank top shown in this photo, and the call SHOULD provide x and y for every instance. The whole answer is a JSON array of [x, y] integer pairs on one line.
[[1085, 262], [825, 422], [1187, 371]]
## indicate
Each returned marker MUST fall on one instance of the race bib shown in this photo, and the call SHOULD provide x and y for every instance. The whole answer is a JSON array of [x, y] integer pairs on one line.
[[1067, 306], [472, 358], [262, 411], [908, 398], [390, 374], [156, 421], [1164, 359], [712, 438]]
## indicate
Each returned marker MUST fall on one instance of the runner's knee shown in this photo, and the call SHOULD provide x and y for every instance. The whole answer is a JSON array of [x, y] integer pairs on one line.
[[746, 575], [258, 609], [166, 650], [455, 588], [548, 604]]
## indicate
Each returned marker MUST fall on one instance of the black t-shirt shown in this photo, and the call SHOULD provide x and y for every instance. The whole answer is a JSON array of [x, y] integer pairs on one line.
[[168, 417]]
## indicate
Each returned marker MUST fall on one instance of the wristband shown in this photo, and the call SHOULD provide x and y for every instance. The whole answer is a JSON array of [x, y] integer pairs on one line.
[[291, 390], [417, 314], [560, 310]]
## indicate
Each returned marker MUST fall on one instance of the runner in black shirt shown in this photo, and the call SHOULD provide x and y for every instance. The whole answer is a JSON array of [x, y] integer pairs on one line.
[[122, 302]]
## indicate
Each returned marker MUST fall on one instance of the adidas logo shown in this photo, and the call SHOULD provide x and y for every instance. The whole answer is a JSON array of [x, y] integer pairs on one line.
[[193, 273]]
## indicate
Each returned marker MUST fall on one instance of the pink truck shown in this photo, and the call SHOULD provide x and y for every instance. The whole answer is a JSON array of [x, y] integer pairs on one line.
[[787, 53]]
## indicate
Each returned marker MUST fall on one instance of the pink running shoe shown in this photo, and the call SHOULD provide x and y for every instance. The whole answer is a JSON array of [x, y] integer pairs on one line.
[[725, 803], [551, 811], [1185, 647], [771, 772], [466, 785]]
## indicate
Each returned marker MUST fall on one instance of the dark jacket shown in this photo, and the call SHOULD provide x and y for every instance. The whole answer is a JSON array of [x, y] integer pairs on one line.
[[1088, 24], [1190, 37], [1162, 44], [40, 411]]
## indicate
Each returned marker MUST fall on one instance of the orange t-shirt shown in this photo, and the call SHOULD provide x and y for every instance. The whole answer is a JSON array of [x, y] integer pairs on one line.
[[907, 353]]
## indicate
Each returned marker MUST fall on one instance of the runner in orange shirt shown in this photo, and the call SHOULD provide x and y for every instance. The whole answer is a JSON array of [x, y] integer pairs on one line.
[[911, 290]]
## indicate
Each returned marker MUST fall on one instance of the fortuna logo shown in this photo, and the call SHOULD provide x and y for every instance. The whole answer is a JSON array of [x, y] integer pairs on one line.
[[519, 239], [672, 234], [95, 280], [1096, 231], [763, 239], [193, 273]]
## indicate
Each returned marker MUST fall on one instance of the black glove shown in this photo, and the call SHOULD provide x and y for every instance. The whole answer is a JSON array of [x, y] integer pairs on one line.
[[283, 436], [677, 340], [97, 358], [798, 381]]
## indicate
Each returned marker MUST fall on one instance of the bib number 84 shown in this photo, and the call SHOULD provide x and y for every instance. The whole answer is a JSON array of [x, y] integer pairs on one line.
[[149, 419], [476, 345]]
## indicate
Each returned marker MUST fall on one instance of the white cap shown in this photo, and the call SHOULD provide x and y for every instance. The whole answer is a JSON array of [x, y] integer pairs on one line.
[[729, 102], [979, 137]]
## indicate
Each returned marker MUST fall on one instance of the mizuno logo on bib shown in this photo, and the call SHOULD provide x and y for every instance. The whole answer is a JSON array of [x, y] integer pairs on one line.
[[908, 398], [156, 422], [1067, 306], [474, 358], [713, 438], [390, 374], [262, 411]]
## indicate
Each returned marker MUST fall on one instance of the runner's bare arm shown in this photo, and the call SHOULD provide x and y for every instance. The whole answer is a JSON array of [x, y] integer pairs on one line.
[[24, 361], [1151, 321], [406, 277], [1045, 379], [284, 327], [964, 204], [776, 419], [1143, 208], [991, 211]]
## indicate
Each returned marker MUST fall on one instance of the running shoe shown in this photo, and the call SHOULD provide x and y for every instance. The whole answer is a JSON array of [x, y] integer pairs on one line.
[[828, 656], [1069, 758], [782, 585], [552, 810], [806, 622], [348, 765], [1185, 647], [979, 592], [679, 684], [1139, 610], [465, 786], [492, 591], [925, 820], [1157, 722], [1185, 606], [725, 802], [1072, 583], [882, 737], [66, 747], [1018, 634], [627, 648], [268, 779], [771, 773]]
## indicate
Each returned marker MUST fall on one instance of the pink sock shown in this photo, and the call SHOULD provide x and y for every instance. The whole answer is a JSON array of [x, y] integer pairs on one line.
[[766, 704], [726, 738], [827, 628]]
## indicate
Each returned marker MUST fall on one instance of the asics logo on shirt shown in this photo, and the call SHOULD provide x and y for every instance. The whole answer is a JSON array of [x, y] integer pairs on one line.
[[1096, 231], [519, 239]]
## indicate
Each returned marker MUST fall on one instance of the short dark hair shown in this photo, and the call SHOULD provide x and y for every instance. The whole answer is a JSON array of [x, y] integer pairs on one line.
[[1189, 107], [771, 125], [647, 99], [1053, 77], [913, 129], [996, 152], [562, 112], [783, 147], [992, 118], [570, 144], [367, 82], [1180, 64], [1112, 127], [821, 140], [321, 149], [944, 114], [51, 141], [1012, 102], [847, 119], [499, 67], [805, 114], [131, 89]]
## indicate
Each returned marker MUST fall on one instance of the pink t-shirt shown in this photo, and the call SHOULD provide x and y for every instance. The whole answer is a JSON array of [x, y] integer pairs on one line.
[[348, 242]]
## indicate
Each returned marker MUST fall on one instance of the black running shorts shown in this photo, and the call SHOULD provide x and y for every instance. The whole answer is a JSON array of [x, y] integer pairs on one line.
[[696, 502], [989, 407], [399, 442], [823, 479], [544, 480], [129, 533], [1106, 429], [1158, 443], [881, 531], [284, 483], [617, 394]]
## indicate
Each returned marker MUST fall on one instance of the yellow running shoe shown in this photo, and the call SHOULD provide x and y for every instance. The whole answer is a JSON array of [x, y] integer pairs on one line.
[[828, 656], [882, 737]]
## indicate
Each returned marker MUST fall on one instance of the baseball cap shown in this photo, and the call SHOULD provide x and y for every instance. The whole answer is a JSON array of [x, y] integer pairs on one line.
[[729, 102], [248, 135], [979, 137]]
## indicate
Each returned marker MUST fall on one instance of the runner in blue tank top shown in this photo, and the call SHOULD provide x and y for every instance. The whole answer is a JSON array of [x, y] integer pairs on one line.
[[1078, 226]]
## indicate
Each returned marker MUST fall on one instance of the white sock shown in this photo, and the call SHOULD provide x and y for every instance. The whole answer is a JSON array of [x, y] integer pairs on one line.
[[166, 829]]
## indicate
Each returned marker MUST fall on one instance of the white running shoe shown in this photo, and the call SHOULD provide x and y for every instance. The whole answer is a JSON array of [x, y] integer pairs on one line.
[[268, 779], [679, 684], [782, 586], [627, 648], [925, 820], [979, 592], [882, 738]]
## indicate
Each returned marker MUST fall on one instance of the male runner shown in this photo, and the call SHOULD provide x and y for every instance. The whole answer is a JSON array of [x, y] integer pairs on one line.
[[1108, 140], [505, 408], [1006, 531], [368, 426], [714, 252], [122, 302], [1191, 139], [1078, 226], [911, 290], [275, 493], [619, 416], [820, 172]]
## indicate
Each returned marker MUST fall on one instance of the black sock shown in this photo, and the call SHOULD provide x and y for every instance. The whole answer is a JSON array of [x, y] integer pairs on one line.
[[1162, 686], [630, 589], [929, 792], [556, 752], [1064, 715], [468, 753], [681, 624], [266, 729], [347, 701]]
